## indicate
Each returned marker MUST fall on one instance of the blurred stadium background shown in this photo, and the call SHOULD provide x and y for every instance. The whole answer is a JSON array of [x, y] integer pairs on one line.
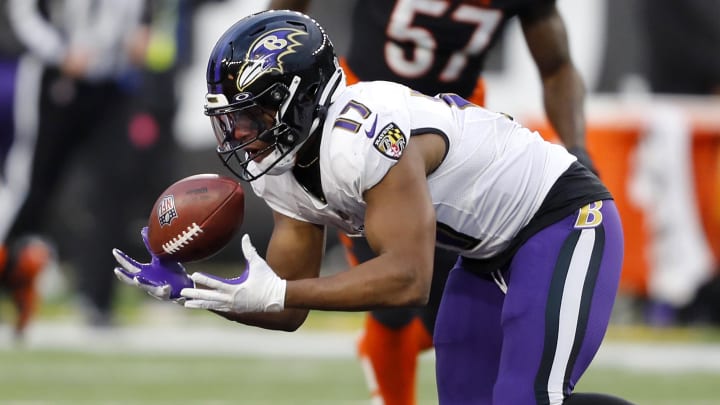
[[658, 153]]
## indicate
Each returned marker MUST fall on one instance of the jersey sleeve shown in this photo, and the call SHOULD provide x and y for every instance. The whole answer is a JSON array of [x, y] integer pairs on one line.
[[279, 193], [368, 136]]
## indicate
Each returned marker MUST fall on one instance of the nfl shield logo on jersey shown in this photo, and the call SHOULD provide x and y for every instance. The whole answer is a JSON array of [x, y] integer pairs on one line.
[[166, 210]]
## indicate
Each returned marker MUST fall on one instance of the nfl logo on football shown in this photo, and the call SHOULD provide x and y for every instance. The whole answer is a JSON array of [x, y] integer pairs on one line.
[[166, 210]]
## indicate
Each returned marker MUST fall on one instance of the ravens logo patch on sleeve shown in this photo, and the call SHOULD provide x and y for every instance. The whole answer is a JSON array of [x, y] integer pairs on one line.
[[390, 141]]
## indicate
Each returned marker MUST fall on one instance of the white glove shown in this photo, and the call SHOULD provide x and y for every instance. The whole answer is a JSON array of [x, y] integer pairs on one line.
[[258, 289]]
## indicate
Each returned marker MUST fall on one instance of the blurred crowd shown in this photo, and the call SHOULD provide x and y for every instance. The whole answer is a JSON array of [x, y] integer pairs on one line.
[[92, 95]]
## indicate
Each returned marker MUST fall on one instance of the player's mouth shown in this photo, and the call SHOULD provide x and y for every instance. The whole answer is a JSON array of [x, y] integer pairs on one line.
[[257, 153]]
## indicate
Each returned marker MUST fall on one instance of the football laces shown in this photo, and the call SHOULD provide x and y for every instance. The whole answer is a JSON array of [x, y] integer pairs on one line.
[[183, 239]]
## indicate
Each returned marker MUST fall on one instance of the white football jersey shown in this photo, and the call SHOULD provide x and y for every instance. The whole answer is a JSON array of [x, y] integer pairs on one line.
[[492, 181]]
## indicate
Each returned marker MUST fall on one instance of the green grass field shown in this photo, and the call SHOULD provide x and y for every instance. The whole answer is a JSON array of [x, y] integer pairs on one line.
[[81, 371], [65, 377]]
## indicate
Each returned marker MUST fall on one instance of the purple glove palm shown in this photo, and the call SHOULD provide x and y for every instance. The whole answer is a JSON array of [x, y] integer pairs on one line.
[[162, 279]]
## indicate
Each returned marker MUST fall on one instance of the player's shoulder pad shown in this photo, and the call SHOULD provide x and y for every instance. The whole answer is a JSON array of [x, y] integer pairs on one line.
[[366, 131]]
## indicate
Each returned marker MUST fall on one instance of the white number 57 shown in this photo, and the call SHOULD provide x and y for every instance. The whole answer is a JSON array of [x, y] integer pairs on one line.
[[423, 56]]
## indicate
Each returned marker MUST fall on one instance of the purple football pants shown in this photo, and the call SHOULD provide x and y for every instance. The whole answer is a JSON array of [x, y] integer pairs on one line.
[[532, 344]]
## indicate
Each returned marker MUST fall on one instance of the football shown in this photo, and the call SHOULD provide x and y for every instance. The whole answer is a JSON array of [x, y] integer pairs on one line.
[[195, 217]]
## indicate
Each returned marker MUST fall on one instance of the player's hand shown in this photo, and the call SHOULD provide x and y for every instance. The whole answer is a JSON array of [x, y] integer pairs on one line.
[[258, 289], [162, 279], [584, 159]]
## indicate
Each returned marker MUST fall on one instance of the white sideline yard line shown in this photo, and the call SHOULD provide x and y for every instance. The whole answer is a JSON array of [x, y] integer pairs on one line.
[[239, 340]]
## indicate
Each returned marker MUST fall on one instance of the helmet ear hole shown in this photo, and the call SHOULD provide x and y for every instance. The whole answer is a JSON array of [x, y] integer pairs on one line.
[[277, 95], [288, 138]]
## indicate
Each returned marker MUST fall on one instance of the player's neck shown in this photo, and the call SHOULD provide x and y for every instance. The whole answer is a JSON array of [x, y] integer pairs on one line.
[[307, 166]]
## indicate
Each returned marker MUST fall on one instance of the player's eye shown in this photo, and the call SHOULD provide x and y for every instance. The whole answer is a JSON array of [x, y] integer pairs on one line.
[[248, 123], [244, 126]]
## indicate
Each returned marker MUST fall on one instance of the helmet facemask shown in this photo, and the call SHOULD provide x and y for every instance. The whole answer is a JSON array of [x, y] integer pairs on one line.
[[253, 120]]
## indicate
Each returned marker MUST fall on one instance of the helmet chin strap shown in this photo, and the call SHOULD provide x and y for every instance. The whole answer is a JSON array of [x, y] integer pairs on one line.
[[330, 93], [291, 94]]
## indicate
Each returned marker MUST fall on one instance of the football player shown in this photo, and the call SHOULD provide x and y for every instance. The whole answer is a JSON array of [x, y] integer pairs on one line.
[[72, 91], [537, 234], [434, 47]]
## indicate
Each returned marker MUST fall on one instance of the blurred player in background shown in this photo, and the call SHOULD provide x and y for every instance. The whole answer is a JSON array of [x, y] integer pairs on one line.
[[433, 47], [75, 55], [143, 147], [682, 39], [16, 284], [540, 240]]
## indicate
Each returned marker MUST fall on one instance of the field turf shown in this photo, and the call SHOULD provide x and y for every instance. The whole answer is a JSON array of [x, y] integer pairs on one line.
[[157, 360], [66, 377]]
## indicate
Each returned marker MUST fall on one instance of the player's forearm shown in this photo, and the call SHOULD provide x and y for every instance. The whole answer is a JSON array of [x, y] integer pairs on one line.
[[381, 282], [564, 99], [288, 320]]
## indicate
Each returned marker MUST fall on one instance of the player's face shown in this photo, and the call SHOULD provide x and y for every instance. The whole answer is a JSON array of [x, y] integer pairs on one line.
[[245, 129]]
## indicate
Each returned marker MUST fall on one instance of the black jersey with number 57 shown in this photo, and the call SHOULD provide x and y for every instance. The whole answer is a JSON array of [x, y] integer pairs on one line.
[[423, 43]]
